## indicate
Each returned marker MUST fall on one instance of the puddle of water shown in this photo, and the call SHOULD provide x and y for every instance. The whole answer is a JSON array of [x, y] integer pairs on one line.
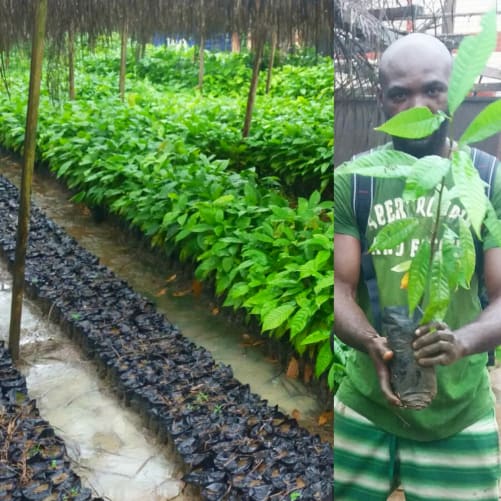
[[110, 449], [149, 276]]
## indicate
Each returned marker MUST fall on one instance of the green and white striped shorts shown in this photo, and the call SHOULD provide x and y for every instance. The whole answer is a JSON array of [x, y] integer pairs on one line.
[[369, 463]]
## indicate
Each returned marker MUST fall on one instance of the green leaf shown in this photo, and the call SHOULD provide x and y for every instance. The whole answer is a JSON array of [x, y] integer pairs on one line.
[[299, 321], [316, 337], [469, 188], [323, 360], [395, 233], [238, 289], [308, 269], [451, 253], [402, 267], [472, 56], [379, 163], [493, 224], [224, 200], [467, 254], [425, 175], [336, 374], [326, 282], [485, 124], [418, 275], [439, 291], [277, 316], [414, 123]]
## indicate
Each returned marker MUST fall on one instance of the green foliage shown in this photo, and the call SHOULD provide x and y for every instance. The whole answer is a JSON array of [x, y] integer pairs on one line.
[[395, 233], [425, 174], [172, 163], [485, 124], [433, 272], [472, 56], [310, 82], [380, 163], [418, 275], [469, 188], [414, 123], [291, 139]]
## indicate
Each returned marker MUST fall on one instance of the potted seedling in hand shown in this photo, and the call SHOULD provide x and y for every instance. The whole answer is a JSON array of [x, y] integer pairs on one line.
[[444, 202]]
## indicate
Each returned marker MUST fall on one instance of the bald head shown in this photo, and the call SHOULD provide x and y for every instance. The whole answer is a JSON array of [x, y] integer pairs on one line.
[[414, 72], [416, 49]]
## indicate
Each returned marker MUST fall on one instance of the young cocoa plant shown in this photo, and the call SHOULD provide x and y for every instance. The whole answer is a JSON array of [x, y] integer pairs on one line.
[[460, 207]]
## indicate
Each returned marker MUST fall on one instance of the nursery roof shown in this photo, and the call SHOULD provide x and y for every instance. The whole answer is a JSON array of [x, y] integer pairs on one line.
[[313, 20], [357, 34]]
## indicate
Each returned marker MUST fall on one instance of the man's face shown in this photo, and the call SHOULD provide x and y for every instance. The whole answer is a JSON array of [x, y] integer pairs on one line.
[[420, 81]]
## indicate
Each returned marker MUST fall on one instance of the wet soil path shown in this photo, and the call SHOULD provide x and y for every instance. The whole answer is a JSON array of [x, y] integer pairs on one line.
[[107, 444]]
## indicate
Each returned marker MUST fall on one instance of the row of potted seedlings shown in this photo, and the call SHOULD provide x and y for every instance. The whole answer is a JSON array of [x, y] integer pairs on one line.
[[234, 444]]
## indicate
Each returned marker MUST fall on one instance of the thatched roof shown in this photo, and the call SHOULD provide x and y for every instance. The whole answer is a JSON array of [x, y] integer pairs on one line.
[[356, 34], [311, 19]]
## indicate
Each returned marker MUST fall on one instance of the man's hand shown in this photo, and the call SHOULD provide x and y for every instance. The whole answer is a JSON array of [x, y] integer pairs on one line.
[[380, 353], [436, 344]]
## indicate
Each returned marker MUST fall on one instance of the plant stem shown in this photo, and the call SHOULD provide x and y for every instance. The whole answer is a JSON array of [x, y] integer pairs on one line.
[[437, 221], [436, 224]]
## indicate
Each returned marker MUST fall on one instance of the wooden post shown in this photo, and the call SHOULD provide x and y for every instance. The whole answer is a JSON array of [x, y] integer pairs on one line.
[[139, 51], [71, 63], [27, 176], [272, 60], [259, 45], [449, 9], [235, 42], [123, 60], [3, 73], [201, 53]]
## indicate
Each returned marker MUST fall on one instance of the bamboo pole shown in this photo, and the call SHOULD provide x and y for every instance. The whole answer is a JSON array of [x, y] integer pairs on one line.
[[71, 63], [27, 176], [259, 45], [123, 60], [272, 60], [3, 73], [201, 53]]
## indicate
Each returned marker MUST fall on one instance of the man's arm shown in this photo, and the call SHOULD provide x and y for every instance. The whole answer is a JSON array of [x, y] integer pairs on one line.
[[350, 323], [445, 347]]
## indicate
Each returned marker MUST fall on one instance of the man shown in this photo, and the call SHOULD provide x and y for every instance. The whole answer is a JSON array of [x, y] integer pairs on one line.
[[449, 450]]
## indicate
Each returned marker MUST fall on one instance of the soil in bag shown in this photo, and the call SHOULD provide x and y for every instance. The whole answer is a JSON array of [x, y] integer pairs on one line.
[[416, 386]]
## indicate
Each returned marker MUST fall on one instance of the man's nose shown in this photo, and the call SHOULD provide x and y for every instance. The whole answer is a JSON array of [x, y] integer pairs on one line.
[[420, 101]]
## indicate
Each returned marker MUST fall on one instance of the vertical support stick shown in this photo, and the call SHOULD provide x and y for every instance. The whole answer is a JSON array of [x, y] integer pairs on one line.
[[27, 176], [201, 63], [272, 60], [201, 53], [71, 63], [123, 60], [235, 42], [259, 44]]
